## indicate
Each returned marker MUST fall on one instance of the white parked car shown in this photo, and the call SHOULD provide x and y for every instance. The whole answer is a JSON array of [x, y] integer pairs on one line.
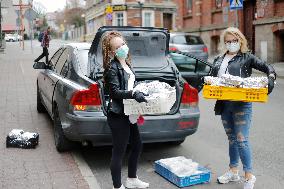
[[10, 37], [19, 37]]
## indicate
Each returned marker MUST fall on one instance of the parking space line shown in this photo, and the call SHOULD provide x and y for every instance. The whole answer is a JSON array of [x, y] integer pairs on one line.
[[86, 171]]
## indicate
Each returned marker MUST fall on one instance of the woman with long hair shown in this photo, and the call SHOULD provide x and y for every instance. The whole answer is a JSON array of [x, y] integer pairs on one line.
[[119, 81], [236, 116]]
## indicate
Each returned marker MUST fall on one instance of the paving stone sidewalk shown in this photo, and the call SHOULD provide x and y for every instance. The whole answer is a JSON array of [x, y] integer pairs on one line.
[[42, 167]]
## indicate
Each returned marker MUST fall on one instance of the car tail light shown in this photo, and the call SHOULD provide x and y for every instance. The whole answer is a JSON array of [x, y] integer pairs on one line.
[[205, 49], [189, 96], [173, 49], [187, 124], [87, 100]]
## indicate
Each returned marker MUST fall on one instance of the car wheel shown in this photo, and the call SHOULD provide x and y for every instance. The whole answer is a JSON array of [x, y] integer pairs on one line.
[[61, 142], [39, 106], [176, 143]]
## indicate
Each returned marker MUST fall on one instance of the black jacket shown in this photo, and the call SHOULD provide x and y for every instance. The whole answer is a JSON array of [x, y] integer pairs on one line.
[[241, 65], [116, 82]]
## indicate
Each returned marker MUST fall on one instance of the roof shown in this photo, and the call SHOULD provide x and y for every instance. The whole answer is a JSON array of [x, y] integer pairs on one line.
[[80, 46], [10, 27]]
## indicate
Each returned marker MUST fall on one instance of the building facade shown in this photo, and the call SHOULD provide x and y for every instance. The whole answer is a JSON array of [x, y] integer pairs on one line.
[[151, 13], [269, 30], [261, 21]]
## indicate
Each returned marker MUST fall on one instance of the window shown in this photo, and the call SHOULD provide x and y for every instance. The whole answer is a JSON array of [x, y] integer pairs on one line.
[[189, 5], [55, 57], [61, 61], [187, 40], [218, 3], [148, 19], [119, 18]]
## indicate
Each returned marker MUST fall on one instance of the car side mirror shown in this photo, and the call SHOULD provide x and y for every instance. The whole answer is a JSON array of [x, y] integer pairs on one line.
[[40, 65]]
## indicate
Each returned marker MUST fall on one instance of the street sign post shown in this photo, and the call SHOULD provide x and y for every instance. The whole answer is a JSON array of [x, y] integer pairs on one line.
[[236, 5]]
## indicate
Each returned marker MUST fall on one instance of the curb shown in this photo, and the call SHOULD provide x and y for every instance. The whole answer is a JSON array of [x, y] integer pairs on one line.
[[86, 171]]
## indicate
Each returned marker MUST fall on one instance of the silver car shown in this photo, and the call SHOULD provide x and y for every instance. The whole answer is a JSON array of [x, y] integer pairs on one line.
[[70, 88], [187, 43]]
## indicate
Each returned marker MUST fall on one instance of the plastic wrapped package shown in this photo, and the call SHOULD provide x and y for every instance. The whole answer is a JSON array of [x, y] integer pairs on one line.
[[180, 166], [228, 80], [19, 139], [161, 97]]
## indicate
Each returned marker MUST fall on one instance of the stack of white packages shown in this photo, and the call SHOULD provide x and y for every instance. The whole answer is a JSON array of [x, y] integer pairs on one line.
[[228, 80], [180, 166], [161, 97]]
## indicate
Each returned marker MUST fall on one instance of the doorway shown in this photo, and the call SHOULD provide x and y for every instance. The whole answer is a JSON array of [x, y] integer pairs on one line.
[[168, 20], [249, 28], [215, 41], [279, 46]]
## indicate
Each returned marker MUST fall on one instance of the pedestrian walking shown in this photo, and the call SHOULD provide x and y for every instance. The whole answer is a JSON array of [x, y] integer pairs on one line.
[[44, 39], [119, 80], [236, 116]]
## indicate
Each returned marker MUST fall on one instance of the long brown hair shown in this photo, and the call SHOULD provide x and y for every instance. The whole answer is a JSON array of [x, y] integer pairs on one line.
[[107, 48]]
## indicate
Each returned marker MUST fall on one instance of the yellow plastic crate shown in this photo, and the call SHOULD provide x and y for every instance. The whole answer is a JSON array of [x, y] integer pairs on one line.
[[235, 94]]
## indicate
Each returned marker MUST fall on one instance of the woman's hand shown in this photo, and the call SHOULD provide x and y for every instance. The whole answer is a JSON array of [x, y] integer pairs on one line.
[[139, 96], [270, 84]]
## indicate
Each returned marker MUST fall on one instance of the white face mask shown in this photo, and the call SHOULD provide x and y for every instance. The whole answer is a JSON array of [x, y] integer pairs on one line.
[[233, 47]]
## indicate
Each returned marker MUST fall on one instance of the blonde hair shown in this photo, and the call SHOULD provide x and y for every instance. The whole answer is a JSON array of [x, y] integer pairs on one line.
[[236, 33], [107, 48]]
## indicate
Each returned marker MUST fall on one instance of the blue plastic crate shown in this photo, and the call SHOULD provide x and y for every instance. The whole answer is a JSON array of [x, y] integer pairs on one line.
[[203, 177]]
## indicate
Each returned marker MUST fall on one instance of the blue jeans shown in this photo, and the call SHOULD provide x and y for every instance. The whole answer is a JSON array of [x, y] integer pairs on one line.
[[236, 119]]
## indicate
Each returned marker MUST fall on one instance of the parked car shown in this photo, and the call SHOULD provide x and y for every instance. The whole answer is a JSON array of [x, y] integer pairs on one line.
[[190, 44], [191, 68], [10, 37], [19, 37], [70, 88]]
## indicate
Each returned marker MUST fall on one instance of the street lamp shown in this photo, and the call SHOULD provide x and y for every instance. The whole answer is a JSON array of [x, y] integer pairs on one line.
[[141, 3], [84, 24]]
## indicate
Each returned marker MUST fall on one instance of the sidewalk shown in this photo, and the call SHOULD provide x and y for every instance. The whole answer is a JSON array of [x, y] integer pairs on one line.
[[42, 167]]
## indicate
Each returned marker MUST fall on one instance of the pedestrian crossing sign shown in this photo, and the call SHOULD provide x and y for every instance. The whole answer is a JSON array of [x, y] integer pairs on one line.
[[236, 4]]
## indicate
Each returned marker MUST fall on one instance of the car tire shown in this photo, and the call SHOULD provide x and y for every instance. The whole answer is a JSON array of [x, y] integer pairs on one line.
[[62, 143], [177, 143], [39, 106]]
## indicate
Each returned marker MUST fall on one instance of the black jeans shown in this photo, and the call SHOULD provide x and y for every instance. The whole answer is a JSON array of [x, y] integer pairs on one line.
[[122, 133], [43, 54]]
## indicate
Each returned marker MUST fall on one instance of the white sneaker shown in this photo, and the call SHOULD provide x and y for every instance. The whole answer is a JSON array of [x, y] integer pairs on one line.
[[228, 177], [249, 184], [122, 187], [135, 183]]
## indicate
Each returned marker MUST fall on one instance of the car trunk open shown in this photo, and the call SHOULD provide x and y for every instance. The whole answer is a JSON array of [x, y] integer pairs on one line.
[[148, 49]]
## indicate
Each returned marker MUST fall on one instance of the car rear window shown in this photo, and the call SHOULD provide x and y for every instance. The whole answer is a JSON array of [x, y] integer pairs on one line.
[[83, 61], [187, 40]]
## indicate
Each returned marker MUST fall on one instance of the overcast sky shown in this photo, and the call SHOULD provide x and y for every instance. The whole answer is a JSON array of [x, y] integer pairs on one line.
[[52, 5]]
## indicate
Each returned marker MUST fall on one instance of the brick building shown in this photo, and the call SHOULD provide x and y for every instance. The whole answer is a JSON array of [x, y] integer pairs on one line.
[[262, 22], [155, 13], [269, 30]]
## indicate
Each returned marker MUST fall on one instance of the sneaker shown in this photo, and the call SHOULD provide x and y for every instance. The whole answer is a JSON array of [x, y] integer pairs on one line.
[[249, 184], [228, 177], [122, 187], [135, 183]]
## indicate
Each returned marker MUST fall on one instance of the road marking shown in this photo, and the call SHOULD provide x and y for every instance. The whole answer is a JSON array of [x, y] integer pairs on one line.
[[86, 171], [23, 71]]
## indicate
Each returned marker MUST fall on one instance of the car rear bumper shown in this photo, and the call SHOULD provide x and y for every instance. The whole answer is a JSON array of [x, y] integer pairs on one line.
[[155, 129]]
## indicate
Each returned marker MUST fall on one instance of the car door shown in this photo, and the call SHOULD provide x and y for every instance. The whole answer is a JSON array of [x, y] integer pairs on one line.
[[54, 76], [191, 68], [44, 80]]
